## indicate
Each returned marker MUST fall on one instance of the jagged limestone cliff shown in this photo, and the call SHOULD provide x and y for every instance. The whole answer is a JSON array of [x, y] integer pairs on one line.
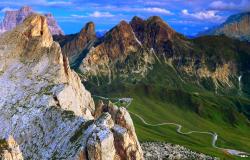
[[47, 110]]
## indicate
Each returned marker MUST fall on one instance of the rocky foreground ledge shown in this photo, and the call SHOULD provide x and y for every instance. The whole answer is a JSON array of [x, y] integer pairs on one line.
[[166, 151], [45, 111]]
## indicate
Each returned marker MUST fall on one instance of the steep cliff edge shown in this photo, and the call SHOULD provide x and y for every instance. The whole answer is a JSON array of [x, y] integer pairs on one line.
[[47, 110]]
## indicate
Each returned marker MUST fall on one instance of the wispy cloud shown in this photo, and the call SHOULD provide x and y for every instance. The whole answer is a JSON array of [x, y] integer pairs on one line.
[[7, 9], [156, 10], [35, 3], [210, 15], [78, 16], [220, 5], [243, 5], [98, 14], [57, 3]]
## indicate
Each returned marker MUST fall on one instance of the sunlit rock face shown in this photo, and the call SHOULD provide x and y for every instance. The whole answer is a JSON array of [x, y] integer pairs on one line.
[[45, 108], [119, 52], [14, 18]]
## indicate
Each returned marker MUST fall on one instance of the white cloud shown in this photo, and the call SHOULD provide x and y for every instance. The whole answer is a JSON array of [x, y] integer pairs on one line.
[[206, 28], [57, 3], [210, 15], [156, 10], [78, 16], [98, 14], [220, 5], [7, 9]]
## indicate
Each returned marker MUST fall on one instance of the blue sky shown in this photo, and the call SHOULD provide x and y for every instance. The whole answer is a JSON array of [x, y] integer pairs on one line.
[[185, 16]]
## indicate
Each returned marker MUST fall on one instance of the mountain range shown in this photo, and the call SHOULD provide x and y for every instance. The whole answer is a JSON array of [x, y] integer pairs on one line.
[[129, 51]]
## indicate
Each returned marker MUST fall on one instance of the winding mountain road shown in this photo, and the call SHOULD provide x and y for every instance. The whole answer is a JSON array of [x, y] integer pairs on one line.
[[178, 127]]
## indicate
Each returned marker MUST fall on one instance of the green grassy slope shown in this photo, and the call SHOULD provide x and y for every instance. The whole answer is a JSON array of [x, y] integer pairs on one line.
[[168, 95], [164, 97], [155, 110]]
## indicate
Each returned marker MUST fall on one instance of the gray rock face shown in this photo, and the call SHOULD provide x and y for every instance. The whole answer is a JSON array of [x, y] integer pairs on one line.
[[44, 106], [14, 18], [160, 151], [236, 26], [53, 26]]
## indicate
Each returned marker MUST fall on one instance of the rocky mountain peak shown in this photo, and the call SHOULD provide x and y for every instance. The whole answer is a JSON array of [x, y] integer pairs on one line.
[[74, 45], [122, 23], [122, 32], [155, 19], [53, 26], [121, 39], [89, 28], [48, 15], [237, 17], [29, 38], [120, 44], [14, 18], [25, 9], [154, 33], [136, 18], [36, 26], [87, 33], [138, 25], [158, 22]]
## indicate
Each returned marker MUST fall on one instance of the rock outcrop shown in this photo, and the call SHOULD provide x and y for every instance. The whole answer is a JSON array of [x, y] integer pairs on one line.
[[14, 18], [9, 149], [236, 26], [47, 110]]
